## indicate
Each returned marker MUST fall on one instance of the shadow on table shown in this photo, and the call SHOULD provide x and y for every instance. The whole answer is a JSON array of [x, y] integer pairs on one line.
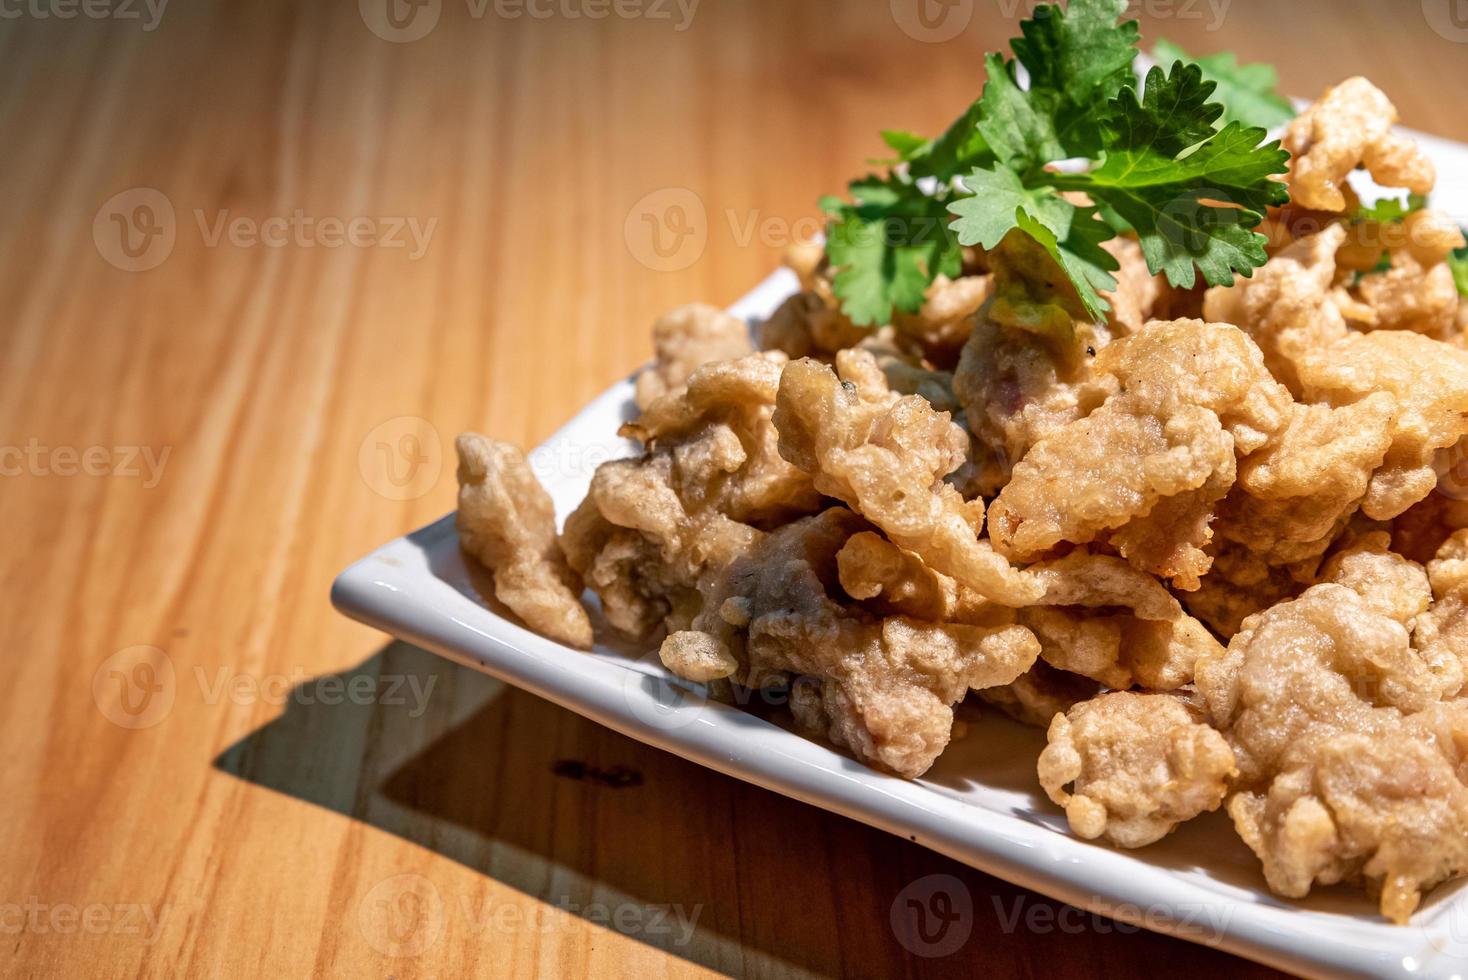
[[642, 842]]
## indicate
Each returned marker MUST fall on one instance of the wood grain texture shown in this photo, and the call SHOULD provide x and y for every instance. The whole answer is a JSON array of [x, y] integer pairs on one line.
[[265, 829]]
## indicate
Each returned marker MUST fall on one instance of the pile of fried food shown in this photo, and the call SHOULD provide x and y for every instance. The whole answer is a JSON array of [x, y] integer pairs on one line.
[[1214, 544]]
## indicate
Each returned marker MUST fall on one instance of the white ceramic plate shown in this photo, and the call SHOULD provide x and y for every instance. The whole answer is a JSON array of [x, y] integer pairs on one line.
[[980, 805]]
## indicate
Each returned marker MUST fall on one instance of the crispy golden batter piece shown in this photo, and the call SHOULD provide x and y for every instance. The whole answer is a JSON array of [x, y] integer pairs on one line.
[[1317, 697], [1387, 583], [894, 582], [720, 434], [1085, 579], [654, 527], [1137, 292], [1441, 632], [942, 326], [1040, 693], [1287, 307], [684, 340], [507, 521], [905, 372], [1350, 126], [1293, 497], [1121, 651], [1408, 296], [887, 685], [1149, 465], [887, 461], [1325, 658], [1238, 585], [1138, 765], [1429, 382]]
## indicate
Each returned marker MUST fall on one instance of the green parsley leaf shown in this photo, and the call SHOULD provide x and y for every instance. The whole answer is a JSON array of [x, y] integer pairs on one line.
[[1072, 235], [1076, 60], [1247, 92], [1173, 166], [887, 246], [1390, 209], [960, 147], [1192, 204], [1458, 263]]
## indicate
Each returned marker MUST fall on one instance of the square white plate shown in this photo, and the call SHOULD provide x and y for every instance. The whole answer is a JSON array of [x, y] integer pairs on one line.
[[980, 805]]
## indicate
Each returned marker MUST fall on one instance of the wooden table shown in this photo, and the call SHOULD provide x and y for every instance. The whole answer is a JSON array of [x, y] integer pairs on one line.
[[209, 772]]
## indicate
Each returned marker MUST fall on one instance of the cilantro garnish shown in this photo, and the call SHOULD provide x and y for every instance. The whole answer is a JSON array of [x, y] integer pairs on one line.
[[1157, 160], [887, 246], [1247, 92], [1458, 262], [1390, 209]]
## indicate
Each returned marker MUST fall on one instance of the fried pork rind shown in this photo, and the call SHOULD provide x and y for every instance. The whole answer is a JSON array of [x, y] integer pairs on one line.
[[886, 459], [1387, 583], [1137, 291], [684, 340], [887, 684], [1417, 291], [1138, 765], [1350, 126], [1316, 695], [655, 526], [942, 326], [1287, 307], [1027, 367], [507, 521], [1145, 470], [1293, 497], [1429, 382], [1121, 651], [1441, 632]]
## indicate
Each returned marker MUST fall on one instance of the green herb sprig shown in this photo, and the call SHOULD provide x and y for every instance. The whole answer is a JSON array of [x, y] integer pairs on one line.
[[1160, 161]]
